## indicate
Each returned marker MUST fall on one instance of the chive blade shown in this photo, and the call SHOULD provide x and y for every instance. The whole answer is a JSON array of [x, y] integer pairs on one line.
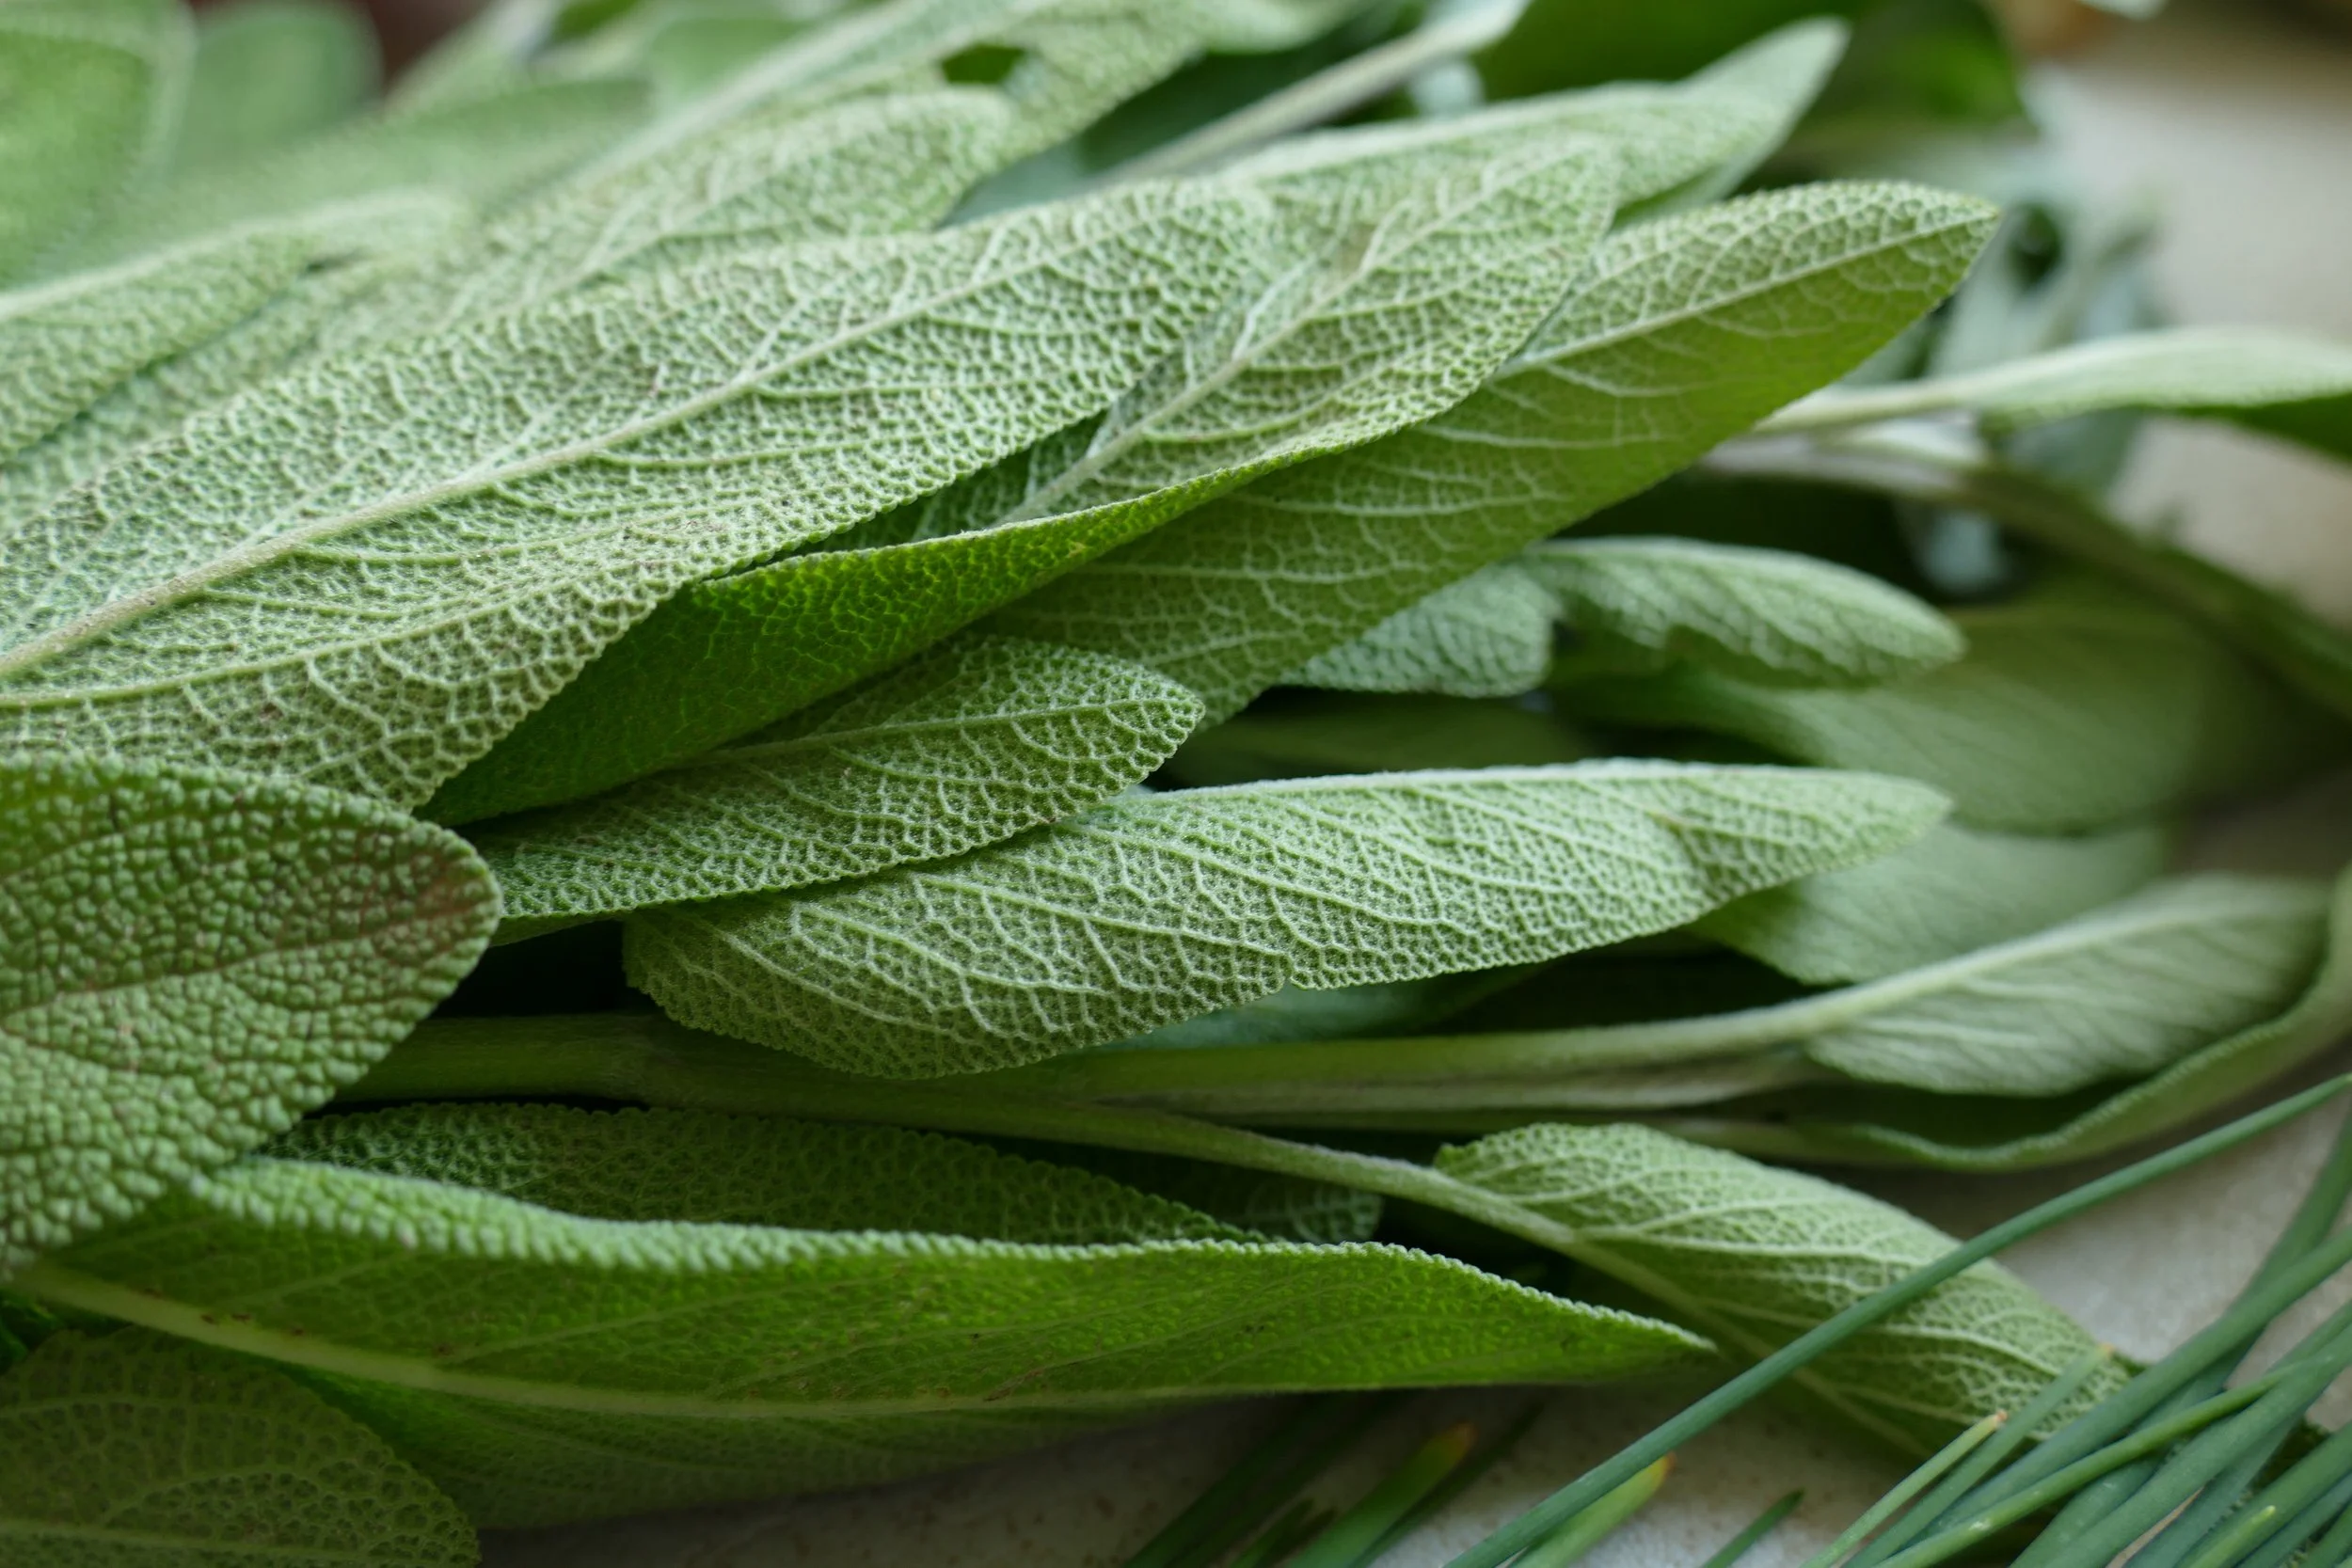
[[1516, 1536], [1579, 1535], [1352, 1538], [1944, 1460], [1298, 1525], [1258, 1483], [2312, 1478], [1464, 1476], [1758, 1528], [2335, 1504]]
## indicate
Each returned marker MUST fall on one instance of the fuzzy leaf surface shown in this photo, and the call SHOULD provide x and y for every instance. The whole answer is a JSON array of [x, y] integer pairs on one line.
[[133, 1448], [519, 1373], [1681, 332], [988, 739], [2284, 384], [1761, 1255], [62, 345], [192, 962], [87, 90], [708, 1169], [777, 174], [2071, 711], [1394, 286], [1772, 616], [464, 521], [1488, 635], [1955, 1136], [1956, 890], [271, 72], [1150, 910], [483, 152]]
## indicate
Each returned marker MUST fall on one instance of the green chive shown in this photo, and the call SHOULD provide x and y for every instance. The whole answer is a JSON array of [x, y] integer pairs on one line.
[[1758, 1528], [2335, 1504], [1353, 1537], [1927, 1475], [1579, 1535], [1463, 1476], [1258, 1483], [1299, 1522], [2312, 1476], [1581, 1494]]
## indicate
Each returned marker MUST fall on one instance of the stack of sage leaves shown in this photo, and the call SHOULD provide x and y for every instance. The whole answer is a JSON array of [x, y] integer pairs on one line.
[[747, 747]]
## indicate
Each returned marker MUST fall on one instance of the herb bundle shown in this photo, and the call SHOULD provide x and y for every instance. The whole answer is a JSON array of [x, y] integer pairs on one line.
[[750, 746]]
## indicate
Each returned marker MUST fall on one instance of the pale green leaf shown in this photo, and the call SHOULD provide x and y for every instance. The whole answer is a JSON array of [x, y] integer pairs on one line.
[[188, 963], [485, 152], [1956, 890], [989, 737], [351, 250], [775, 175], [1286, 1207], [132, 1447], [1897, 1129], [87, 90], [1772, 616], [270, 72], [464, 521], [2121, 993], [2072, 709], [519, 1371], [2286, 384], [1757, 1256], [1682, 332], [1154, 909], [1396, 286], [1488, 635], [1292, 739], [63, 344]]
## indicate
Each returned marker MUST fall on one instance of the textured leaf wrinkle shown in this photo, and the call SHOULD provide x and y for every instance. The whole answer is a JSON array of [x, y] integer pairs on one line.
[[374, 603]]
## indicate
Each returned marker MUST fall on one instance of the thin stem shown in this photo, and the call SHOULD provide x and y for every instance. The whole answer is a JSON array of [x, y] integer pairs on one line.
[[2312, 1478], [1353, 1537], [2335, 1504], [1274, 1469], [1580, 1534]]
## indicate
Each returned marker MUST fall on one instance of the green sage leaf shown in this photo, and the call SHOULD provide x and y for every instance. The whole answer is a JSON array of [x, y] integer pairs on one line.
[[191, 963], [520, 1372], [1956, 890], [1150, 910], [1761, 1255], [131, 1447], [1703, 322], [374, 603], [271, 72], [987, 739], [1488, 635]]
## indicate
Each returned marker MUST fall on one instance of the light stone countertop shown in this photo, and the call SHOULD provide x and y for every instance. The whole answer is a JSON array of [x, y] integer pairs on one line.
[[2241, 127]]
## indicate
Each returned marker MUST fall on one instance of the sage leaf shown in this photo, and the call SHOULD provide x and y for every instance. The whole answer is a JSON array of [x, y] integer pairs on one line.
[[2075, 708], [1703, 322], [1892, 1128], [2121, 992], [482, 153], [1488, 635], [373, 604], [706, 1169], [1772, 616], [351, 252], [88, 88], [775, 175], [1956, 890], [268, 73], [1372, 734], [132, 1447], [1761, 1255], [802, 1359], [1285, 1207], [1150, 910], [1339, 344], [66, 343], [987, 739], [188, 963], [2283, 384]]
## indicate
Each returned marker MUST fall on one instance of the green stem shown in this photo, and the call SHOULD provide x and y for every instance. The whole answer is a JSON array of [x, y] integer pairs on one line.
[[1761, 1526], [1353, 1537], [1579, 1535], [1909, 1487]]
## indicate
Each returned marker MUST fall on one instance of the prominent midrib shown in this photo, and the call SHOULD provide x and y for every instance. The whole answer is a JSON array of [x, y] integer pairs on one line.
[[71, 1288], [263, 551]]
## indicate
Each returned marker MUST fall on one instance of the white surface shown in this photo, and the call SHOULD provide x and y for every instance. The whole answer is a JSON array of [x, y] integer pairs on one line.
[[2244, 135]]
